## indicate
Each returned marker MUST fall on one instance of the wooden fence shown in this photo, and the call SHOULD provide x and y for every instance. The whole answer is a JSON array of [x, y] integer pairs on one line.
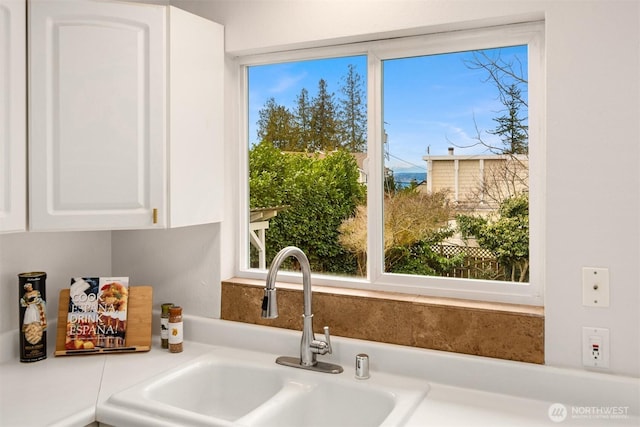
[[478, 263]]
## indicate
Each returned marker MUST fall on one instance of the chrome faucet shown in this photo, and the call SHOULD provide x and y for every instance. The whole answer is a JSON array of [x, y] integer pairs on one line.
[[309, 346]]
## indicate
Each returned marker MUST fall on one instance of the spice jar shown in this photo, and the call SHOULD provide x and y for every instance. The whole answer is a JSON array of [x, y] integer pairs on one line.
[[164, 325], [175, 329]]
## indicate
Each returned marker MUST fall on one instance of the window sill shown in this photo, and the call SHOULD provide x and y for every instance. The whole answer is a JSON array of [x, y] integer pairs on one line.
[[498, 330]]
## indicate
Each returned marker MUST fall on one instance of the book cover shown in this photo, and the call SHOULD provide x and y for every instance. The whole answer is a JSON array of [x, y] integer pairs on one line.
[[97, 315]]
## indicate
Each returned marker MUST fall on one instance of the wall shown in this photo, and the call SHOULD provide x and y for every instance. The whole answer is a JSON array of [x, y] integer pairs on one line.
[[442, 176], [593, 210], [61, 255], [593, 175], [182, 265]]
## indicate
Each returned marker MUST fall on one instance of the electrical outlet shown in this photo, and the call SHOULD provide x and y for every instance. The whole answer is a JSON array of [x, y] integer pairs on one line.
[[595, 287], [595, 347]]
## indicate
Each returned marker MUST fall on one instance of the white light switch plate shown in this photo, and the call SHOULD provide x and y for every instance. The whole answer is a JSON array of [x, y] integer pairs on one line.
[[595, 287]]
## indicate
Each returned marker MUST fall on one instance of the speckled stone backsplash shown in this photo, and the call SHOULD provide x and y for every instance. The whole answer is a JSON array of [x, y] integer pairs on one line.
[[503, 331]]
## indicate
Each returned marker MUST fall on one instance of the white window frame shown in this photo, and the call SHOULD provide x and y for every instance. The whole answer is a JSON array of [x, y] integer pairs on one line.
[[531, 34]]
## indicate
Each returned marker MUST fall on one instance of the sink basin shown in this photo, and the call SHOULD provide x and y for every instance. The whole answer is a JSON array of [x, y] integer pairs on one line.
[[331, 405], [231, 387], [210, 390], [216, 388]]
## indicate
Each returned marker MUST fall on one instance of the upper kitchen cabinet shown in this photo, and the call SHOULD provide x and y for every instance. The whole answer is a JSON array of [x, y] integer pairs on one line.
[[125, 116], [13, 112]]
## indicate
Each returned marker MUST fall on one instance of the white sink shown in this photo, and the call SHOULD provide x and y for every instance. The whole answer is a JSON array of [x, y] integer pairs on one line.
[[331, 404], [215, 388], [230, 387]]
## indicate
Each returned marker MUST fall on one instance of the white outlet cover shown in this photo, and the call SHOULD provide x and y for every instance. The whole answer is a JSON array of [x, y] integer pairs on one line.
[[595, 287], [600, 336]]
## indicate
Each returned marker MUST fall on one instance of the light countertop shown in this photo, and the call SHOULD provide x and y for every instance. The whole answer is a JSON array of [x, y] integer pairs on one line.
[[465, 390]]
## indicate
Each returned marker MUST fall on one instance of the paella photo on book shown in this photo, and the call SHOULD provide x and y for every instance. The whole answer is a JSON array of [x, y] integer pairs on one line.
[[97, 316]]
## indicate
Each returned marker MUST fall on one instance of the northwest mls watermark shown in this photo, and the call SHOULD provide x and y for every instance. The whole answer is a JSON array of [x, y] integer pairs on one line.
[[559, 412]]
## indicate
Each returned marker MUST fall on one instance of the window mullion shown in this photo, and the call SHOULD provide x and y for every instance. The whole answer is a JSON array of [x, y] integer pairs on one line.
[[242, 254], [375, 121]]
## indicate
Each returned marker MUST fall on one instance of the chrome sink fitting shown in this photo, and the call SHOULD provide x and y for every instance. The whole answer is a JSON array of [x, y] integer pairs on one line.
[[309, 346]]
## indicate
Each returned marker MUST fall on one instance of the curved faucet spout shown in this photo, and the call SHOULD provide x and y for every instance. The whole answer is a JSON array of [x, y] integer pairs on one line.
[[304, 267], [309, 346]]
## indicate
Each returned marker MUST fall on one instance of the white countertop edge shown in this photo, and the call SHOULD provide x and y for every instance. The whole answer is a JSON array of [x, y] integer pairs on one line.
[[82, 418]]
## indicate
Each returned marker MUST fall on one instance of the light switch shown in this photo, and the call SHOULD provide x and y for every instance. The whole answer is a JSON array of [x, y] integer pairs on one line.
[[595, 287]]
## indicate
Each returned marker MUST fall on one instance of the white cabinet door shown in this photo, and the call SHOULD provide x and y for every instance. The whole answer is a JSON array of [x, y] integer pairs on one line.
[[13, 92], [97, 115], [196, 119]]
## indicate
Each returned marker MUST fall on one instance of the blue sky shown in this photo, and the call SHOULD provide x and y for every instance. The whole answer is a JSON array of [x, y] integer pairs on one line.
[[430, 102]]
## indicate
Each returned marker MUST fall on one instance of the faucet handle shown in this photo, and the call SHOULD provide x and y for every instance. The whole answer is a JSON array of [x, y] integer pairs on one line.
[[327, 339]]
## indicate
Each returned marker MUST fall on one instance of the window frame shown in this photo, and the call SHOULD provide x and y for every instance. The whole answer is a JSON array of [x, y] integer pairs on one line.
[[531, 34]]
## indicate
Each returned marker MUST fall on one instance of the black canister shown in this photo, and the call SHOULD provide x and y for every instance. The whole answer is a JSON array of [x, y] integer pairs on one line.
[[33, 316]]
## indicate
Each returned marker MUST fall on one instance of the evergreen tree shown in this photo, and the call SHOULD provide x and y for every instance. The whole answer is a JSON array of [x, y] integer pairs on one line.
[[303, 120], [353, 114], [276, 126], [508, 77], [320, 123], [324, 123], [512, 128]]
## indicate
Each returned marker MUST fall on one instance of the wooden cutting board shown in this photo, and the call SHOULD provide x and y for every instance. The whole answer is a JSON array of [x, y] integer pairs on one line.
[[139, 316]]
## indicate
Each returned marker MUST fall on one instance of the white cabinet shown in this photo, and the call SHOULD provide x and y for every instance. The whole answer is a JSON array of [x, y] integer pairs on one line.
[[13, 136], [125, 116]]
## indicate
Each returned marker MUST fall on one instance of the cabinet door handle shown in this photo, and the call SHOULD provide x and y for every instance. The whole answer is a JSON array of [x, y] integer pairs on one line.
[[155, 215]]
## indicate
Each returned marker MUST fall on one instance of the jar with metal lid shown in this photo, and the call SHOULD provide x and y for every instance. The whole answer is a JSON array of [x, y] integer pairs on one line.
[[175, 329]]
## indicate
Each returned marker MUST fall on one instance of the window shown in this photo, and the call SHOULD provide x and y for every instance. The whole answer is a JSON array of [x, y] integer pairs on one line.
[[406, 165], [464, 212], [307, 148]]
